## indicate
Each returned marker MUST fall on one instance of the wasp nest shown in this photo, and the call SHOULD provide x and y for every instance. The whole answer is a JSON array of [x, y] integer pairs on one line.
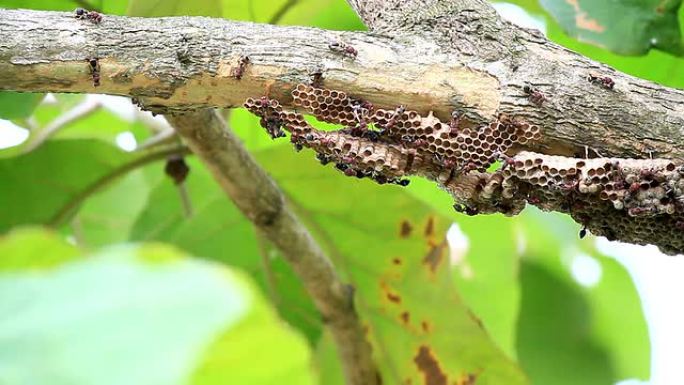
[[387, 145], [638, 201]]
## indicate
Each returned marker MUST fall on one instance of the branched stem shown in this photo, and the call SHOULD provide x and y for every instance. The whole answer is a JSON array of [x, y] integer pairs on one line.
[[263, 203], [70, 207]]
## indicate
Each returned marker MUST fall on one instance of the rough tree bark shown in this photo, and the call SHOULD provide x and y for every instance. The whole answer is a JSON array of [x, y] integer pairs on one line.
[[434, 57]]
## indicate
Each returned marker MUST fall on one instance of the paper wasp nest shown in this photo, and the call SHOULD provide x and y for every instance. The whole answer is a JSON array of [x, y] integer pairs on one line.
[[637, 201]]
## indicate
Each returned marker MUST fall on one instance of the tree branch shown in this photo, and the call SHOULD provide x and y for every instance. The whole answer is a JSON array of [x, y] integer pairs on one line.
[[448, 56], [393, 15], [79, 111], [188, 63], [260, 200]]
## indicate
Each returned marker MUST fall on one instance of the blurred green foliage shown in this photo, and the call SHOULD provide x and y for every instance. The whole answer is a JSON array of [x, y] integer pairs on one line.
[[640, 25], [141, 314], [170, 298]]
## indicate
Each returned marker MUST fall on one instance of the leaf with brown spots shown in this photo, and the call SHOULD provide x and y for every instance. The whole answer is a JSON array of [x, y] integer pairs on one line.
[[626, 27], [404, 285]]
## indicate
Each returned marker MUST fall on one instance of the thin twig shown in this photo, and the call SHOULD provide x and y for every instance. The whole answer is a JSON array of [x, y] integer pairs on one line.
[[262, 202], [282, 11], [77, 112], [68, 209], [185, 200]]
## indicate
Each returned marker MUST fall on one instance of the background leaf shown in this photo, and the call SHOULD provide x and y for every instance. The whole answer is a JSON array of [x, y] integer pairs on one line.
[[15, 105], [554, 333], [215, 231], [107, 6], [149, 315], [604, 320], [623, 26], [393, 250], [656, 65], [60, 173], [157, 8]]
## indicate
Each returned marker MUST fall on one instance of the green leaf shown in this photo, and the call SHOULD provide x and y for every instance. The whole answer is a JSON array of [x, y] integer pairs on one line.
[[555, 345], [109, 215], [640, 25], [332, 14], [618, 323], [488, 280], [393, 250], [215, 231], [610, 315], [31, 248], [157, 8], [49, 184], [335, 14], [17, 105], [656, 66], [486, 274], [148, 315]]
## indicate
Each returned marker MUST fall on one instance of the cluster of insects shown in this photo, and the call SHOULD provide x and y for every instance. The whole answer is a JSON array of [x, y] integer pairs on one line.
[[84, 14], [346, 169], [465, 209], [344, 49], [94, 68], [603, 81]]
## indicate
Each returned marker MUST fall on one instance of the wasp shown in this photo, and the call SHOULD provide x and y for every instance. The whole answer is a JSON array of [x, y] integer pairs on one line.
[[344, 49], [534, 95], [94, 68], [603, 81], [240, 69], [93, 16]]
